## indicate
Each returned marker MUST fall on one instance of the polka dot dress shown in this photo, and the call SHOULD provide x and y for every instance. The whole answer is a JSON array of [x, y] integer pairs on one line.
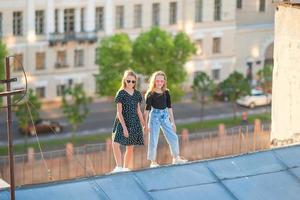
[[129, 112]]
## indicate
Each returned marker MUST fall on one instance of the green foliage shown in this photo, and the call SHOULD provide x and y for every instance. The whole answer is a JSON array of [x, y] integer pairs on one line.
[[203, 86], [235, 86], [158, 50], [265, 78], [22, 112], [115, 56], [151, 51], [3, 54], [75, 105]]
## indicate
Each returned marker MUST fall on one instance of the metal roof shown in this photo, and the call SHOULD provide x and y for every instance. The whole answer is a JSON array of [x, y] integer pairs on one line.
[[272, 174]]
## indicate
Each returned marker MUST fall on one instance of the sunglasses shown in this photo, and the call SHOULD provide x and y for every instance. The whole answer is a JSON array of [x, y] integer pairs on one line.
[[159, 81], [130, 81]]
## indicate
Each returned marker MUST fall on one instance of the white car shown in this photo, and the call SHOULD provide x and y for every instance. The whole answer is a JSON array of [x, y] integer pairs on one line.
[[257, 98]]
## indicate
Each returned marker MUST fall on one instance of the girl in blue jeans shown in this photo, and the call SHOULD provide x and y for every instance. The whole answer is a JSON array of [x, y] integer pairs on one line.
[[160, 114]]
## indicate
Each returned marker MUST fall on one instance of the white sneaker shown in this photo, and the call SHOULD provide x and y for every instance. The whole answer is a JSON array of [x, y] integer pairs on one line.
[[126, 170], [154, 164], [179, 160], [116, 170]]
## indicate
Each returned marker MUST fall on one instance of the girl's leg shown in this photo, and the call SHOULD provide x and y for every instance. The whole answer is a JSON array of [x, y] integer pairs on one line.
[[154, 127], [117, 154], [171, 137], [128, 156]]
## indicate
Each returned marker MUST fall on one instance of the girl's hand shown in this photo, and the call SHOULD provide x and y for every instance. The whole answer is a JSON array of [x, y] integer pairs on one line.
[[125, 131], [146, 130], [174, 127]]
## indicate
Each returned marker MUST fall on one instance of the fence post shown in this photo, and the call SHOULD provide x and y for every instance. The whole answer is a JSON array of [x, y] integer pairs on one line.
[[221, 137], [30, 154], [69, 151], [257, 129], [108, 150], [85, 160], [31, 159], [184, 141], [69, 157]]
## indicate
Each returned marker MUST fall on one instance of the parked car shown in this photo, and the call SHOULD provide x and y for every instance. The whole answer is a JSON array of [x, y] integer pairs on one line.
[[219, 95], [257, 98], [42, 126]]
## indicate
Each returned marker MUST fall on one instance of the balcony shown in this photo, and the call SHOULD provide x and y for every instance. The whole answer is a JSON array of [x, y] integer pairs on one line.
[[59, 65], [56, 38]]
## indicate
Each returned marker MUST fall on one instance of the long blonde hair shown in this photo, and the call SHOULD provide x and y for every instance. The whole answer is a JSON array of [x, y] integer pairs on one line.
[[127, 73], [152, 82]]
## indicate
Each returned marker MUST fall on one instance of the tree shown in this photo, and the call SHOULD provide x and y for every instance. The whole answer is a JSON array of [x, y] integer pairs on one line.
[[203, 86], [265, 78], [75, 106], [32, 102], [22, 113], [3, 54], [235, 86], [158, 50], [115, 56]]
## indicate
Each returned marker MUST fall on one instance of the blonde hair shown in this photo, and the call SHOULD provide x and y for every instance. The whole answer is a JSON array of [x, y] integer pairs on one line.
[[126, 74], [152, 82]]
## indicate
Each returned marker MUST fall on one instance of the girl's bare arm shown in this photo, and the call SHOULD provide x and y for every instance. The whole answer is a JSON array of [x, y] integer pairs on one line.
[[121, 118], [146, 116], [140, 114], [171, 116]]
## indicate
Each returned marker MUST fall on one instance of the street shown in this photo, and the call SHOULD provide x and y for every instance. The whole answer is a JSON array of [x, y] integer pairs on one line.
[[102, 115]]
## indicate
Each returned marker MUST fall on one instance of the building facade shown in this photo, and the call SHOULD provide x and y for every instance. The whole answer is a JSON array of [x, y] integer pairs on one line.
[[56, 40], [254, 35]]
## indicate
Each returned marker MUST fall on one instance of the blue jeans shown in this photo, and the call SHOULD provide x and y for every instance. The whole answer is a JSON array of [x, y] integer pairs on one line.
[[160, 118]]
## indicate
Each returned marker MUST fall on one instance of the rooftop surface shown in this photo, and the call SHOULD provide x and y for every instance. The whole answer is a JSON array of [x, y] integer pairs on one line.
[[272, 174]]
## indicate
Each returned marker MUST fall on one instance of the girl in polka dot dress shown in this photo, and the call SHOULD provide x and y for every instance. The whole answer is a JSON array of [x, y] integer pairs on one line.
[[129, 123]]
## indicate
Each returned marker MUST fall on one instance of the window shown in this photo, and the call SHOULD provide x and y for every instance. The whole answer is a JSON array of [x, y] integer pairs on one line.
[[78, 58], [60, 89], [18, 61], [39, 22], [155, 14], [70, 83], [56, 21], [262, 5], [40, 92], [69, 20], [173, 13], [239, 4], [61, 59], [218, 9], [199, 10], [17, 23], [199, 45], [1, 31], [82, 14], [137, 16], [216, 74], [119, 17], [216, 45], [99, 18], [40, 60]]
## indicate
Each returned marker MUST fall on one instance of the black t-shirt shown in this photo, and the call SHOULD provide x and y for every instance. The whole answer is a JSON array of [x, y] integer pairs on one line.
[[158, 100]]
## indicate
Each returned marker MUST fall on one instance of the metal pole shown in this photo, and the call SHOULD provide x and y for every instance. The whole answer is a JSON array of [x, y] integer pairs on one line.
[[9, 133]]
